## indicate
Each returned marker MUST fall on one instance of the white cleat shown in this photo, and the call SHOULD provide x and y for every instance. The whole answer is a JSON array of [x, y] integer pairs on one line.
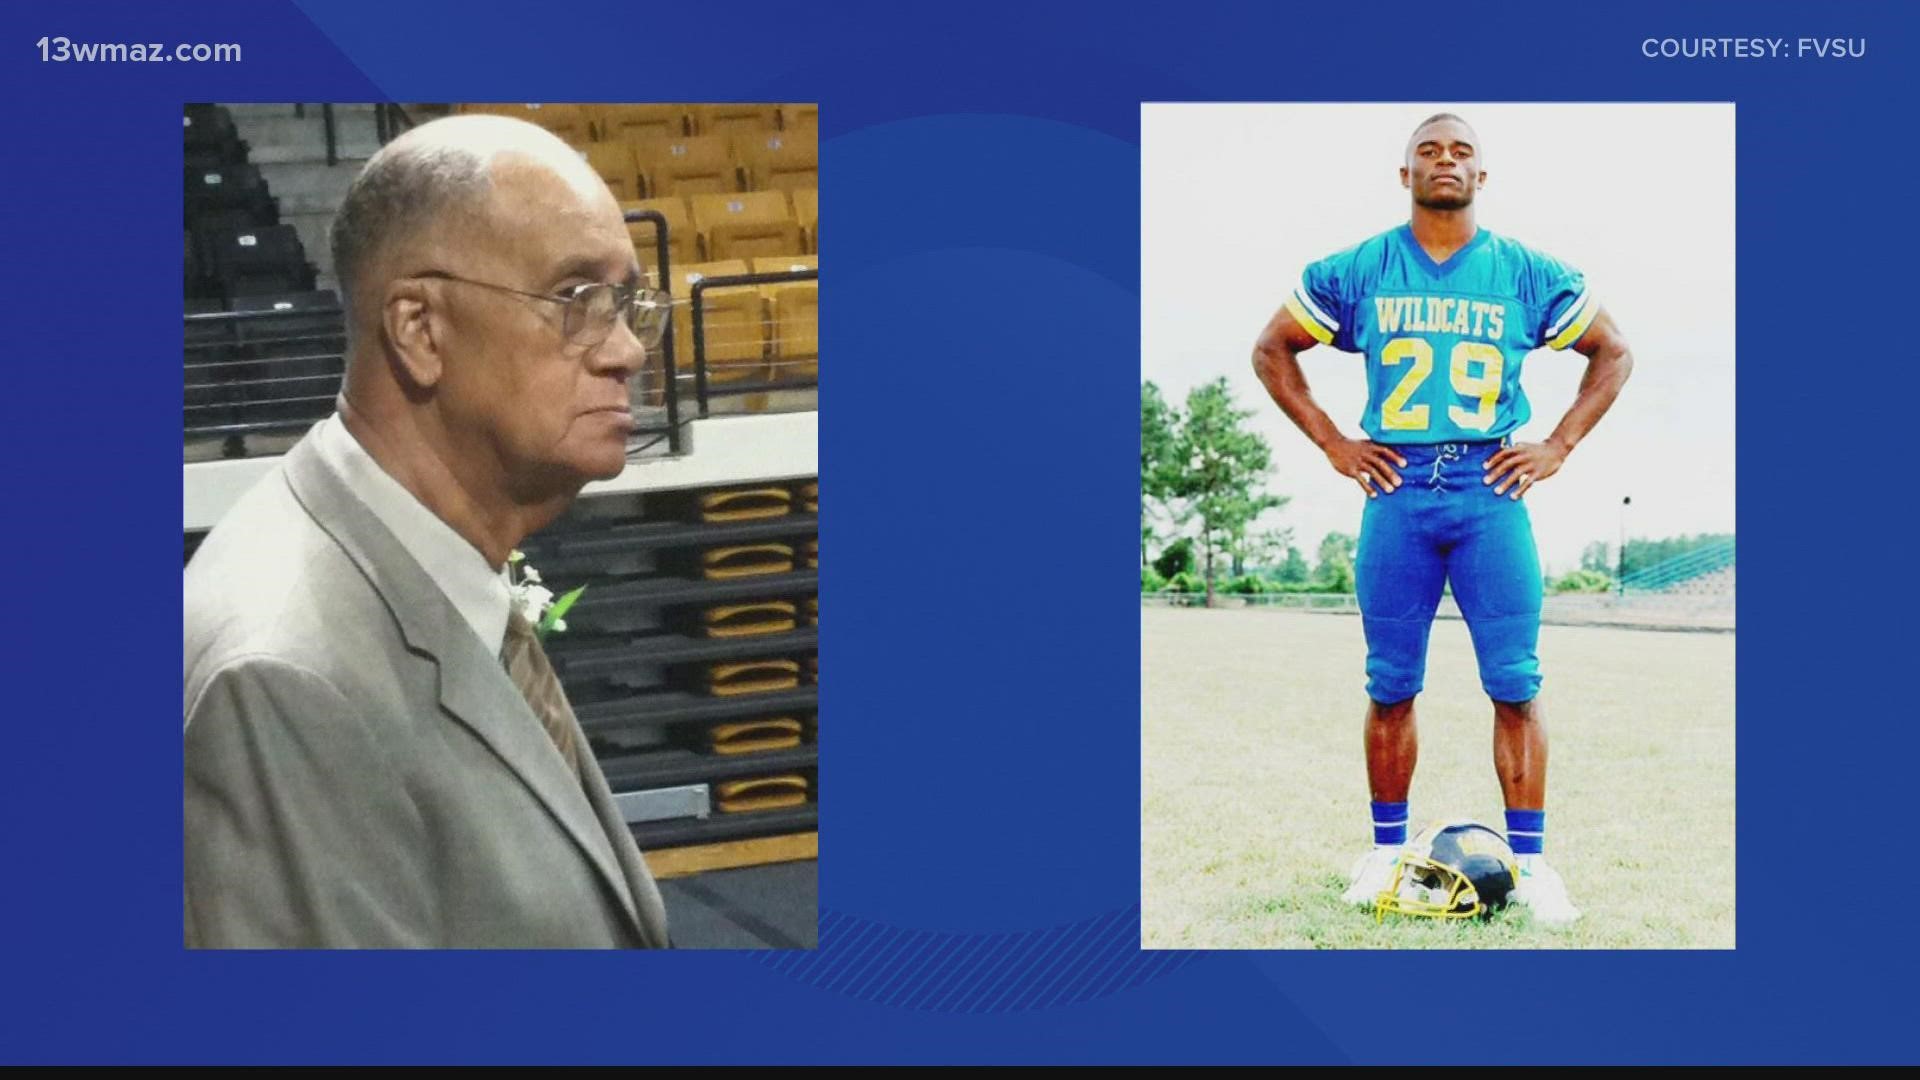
[[1543, 893], [1371, 875]]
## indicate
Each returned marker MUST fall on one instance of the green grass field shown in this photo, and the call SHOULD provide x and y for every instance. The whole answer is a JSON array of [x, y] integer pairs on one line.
[[1254, 787]]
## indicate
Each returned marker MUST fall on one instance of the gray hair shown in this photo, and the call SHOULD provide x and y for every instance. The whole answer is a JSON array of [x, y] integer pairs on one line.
[[408, 186]]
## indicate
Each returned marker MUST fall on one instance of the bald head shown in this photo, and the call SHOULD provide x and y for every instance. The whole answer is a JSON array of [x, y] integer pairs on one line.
[[439, 179]]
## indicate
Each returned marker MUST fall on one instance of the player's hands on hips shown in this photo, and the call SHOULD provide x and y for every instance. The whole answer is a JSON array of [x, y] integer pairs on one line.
[[1368, 464], [1523, 465]]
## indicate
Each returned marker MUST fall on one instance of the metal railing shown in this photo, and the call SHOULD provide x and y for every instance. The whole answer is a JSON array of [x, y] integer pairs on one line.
[[703, 391], [1222, 598], [389, 120], [239, 392], [669, 393], [261, 385], [1644, 610]]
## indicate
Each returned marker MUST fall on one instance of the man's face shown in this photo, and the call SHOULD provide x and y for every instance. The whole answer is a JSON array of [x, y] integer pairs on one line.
[[552, 411], [1443, 166]]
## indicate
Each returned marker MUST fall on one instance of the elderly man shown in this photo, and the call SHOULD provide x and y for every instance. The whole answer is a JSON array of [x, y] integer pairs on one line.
[[377, 752]]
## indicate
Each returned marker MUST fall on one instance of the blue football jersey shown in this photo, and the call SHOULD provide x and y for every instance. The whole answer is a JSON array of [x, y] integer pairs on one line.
[[1443, 341]]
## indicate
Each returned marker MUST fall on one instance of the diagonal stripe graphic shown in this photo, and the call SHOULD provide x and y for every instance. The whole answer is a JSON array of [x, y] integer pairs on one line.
[[1015, 971]]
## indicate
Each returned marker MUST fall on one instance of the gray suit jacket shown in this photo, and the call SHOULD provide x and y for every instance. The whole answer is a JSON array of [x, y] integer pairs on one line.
[[360, 771]]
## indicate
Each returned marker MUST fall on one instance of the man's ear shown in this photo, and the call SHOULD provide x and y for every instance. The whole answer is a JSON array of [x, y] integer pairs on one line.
[[1406, 178], [1481, 183], [414, 330]]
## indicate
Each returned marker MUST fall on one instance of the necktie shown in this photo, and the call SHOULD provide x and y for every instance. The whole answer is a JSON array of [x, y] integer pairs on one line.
[[527, 665]]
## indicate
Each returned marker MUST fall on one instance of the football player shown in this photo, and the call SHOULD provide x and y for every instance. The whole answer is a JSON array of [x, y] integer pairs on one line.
[[1444, 312]]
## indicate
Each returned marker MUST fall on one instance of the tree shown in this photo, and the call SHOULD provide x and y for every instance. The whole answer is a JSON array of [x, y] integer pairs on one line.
[[1176, 560], [1224, 466], [1159, 424], [1335, 571], [1584, 580], [1260, 549], [1598, 557], [1293, 571]]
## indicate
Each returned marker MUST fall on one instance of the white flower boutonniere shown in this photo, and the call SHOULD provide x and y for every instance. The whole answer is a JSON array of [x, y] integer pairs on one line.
[[534, 600]]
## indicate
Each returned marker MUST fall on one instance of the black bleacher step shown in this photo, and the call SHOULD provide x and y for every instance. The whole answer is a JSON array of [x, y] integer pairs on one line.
[[616, 657], [665, 768], [621, 595], [258, 427], [684, 831], [675, 707], [602, 540]]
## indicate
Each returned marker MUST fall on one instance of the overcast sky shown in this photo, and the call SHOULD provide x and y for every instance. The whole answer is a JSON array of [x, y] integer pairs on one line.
[[1236, 199]]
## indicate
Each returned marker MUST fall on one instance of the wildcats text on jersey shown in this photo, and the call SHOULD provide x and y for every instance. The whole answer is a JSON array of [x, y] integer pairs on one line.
[[1441, 315]]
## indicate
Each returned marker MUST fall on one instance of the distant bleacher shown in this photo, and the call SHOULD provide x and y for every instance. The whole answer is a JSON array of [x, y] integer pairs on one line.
[[1703, 571], [263, 345]]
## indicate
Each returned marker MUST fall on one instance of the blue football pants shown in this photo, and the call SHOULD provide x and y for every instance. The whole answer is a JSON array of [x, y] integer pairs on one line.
[[1444, 525]]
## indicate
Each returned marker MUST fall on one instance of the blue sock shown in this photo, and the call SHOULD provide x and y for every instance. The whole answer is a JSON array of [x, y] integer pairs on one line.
[[1527, 831], [1389, 824]]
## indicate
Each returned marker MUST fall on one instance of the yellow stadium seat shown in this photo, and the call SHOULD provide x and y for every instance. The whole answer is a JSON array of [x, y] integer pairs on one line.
[[806, 213], [567, 121], [734, 318], [794, 310], [745, 224], [692, 165], [734, 118], [628, 123], [682, 241], [779, 160], [482, 108], [800, 117], [780, 264], [614, 162]]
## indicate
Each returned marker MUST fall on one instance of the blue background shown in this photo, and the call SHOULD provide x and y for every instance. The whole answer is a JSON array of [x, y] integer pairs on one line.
[[981, 182]]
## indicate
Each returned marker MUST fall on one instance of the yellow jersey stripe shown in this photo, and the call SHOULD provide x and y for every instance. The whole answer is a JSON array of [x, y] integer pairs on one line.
[[1578, 326], [1306, 320]]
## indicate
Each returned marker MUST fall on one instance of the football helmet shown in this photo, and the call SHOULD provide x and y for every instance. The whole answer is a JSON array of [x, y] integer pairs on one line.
[[1452, 870]]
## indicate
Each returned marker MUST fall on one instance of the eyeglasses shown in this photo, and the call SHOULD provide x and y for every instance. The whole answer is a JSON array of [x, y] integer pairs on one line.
[[593, 308]]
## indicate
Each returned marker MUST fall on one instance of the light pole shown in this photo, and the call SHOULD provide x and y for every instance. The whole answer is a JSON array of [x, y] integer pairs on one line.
[[1620, 562]]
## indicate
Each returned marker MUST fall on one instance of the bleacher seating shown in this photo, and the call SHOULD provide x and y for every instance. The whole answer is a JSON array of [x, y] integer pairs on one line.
[[687, 165], [236, 245], [570, 122], [262, 364], [800, 118], [296, 355], [731, 118], [229, 193], [614, 162], [806, 213], [779, 160], [254, 261], [793, 310], [263, 351], [745, 224], [682, 241], [629, 123], [734, 322], [1697, 571], [211, 139]]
